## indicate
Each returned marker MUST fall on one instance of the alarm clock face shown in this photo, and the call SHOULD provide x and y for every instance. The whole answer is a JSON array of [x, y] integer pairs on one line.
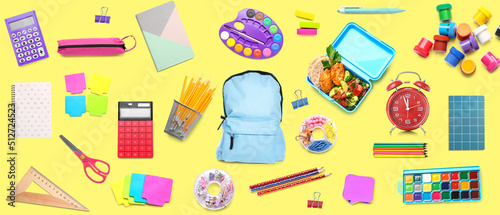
[[407, 108]]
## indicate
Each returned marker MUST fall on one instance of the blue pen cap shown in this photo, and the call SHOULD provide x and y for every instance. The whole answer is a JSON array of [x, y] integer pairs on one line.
[[448, 29], [454, 57]]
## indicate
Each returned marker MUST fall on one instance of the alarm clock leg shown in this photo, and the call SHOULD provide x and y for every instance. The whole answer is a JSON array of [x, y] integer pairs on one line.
[[422, 129], [393, 127]]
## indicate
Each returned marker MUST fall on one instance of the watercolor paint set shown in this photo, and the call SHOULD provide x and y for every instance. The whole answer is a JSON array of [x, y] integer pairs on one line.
[[457, 184], [252, 34]]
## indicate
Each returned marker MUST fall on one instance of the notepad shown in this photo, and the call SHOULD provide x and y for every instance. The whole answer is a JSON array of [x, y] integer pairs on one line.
[[136, 187], [33, 109], [165, 36], [157, 190], [117, 188], [97, 105], [75, 105], [466, 123]]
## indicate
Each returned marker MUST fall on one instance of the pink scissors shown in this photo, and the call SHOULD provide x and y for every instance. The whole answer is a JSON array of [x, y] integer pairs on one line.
[[87, 161]]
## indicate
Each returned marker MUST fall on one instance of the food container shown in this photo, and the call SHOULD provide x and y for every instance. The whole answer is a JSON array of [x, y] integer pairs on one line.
[[482, 34], [363, 54], [482, 16]]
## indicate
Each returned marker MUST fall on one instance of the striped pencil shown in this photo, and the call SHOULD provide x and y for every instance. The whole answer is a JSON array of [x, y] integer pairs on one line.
[[399, 153], [285, 177], [294, 183], [286, 180]]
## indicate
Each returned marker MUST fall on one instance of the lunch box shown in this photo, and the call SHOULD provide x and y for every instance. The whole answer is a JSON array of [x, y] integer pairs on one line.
[[363, 54]]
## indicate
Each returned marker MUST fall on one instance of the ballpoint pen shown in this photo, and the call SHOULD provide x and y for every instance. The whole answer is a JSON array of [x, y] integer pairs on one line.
[[359, 9]]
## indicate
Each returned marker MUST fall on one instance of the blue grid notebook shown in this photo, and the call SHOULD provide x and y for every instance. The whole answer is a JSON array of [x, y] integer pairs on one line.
[[466, 122]]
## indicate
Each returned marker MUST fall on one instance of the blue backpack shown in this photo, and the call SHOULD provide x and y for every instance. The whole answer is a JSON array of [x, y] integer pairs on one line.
[[253, 111]]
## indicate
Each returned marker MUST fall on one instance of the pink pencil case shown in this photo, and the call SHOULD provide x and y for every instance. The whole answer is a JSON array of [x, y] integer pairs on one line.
[[93, 46]]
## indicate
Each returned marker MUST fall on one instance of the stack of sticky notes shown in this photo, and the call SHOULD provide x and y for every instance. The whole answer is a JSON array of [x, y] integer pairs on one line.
[[96, 104], [307, 28], [139, 189]]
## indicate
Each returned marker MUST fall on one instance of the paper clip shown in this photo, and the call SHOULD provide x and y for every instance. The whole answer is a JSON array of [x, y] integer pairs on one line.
[[103, 18], [300, 102], [315, 203]]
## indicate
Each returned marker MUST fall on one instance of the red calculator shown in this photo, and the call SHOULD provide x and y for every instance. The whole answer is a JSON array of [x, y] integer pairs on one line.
[[135, 129]]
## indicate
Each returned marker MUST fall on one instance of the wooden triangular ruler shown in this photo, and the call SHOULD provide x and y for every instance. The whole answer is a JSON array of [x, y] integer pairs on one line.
[[57, 198]]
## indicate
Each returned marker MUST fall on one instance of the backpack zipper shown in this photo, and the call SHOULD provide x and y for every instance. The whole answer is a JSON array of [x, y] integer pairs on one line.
[[232, 141], [92, 46]]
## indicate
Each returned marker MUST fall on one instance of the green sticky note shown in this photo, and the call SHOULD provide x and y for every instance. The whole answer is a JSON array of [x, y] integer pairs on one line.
[[126, 190], [97, 105], [309, 24], [99, 84]]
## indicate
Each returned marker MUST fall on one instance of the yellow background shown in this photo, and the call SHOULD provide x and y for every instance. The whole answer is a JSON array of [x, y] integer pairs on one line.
[[134, 78]]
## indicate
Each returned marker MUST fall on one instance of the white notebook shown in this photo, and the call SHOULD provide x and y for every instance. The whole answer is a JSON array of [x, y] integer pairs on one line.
[[33, 109]]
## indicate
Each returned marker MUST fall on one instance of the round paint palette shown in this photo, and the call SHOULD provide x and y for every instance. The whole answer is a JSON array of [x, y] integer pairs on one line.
[[252, 34]]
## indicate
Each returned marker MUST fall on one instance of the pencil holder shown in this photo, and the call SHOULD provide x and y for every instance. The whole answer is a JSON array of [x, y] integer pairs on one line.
[[181, 120]]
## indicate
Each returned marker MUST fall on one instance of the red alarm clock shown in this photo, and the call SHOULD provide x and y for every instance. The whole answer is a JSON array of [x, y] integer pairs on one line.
[[408, 108]]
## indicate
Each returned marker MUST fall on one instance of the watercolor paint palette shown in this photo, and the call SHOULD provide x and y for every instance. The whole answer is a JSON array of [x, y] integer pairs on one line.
[[457, 184], [252, 34]]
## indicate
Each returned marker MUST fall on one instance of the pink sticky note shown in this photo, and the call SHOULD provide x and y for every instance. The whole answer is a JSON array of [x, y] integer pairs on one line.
[[75, 83], [359, 189], [307, 31], [157, 190]]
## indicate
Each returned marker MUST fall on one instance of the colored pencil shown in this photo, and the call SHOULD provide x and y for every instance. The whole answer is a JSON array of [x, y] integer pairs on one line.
[[377, 146], [286, 180], [399, 148], [294, 183], [400, 156], [375, 150], [399, 153], [285, 177]]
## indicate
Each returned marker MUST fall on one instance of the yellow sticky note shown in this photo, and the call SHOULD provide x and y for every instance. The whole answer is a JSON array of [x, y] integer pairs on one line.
[[99, 84], [117, 188]]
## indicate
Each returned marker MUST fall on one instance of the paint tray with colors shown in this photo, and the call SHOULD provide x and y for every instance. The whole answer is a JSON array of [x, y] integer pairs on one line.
[[252, 34], [457, 184]]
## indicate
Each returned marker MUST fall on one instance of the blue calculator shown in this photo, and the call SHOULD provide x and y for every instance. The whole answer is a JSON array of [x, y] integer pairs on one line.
[[26, 38]]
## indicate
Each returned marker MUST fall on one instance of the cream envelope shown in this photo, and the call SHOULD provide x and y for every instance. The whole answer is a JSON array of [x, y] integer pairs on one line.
[[165, 36]]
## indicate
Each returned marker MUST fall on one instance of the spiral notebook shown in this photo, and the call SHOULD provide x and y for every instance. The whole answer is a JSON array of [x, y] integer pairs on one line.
[[33, 116]]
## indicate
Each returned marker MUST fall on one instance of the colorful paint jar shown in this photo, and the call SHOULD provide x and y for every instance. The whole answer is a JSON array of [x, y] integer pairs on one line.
[[482, 34], [440, 43], [454, 57], [423, 47], [490, 61], [482, 16], [444, 11], [469, 45], [463, 31], [468, 67], [497, 32], [448, 29]]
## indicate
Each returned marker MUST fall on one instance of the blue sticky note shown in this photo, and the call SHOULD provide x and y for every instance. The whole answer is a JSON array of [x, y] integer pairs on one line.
[[75, 105], [136, 187]]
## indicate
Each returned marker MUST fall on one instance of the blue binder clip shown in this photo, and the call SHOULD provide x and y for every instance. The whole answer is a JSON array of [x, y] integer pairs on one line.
[[103, 18], [300, 102]]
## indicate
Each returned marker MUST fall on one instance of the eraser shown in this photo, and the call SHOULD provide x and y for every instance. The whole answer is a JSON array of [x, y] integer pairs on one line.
[[307, 31], [304, 15], [309, 24]]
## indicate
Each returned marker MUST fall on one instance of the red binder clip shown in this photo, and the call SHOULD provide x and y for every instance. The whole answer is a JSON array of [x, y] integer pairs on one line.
[[315, 203]]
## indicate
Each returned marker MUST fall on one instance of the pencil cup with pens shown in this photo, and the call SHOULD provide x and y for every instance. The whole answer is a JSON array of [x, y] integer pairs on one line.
[[186, 112]]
